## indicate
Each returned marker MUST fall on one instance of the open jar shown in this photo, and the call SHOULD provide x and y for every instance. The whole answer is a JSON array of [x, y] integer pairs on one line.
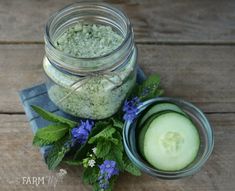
[[90, 87]]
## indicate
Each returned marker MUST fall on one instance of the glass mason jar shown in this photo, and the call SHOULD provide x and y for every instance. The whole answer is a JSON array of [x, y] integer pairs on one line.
[[94, 87]]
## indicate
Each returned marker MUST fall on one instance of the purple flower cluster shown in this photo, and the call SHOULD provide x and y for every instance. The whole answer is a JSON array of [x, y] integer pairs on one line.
[[107, 170], [81, 132], [130, 109]]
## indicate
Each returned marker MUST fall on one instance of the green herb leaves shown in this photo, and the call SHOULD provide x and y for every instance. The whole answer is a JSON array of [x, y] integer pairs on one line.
[[104, 142], [116, 154], [57, 154], [103, 148], [131, 168], [40, 142], [55, 135], [90, 175], [149, 88], [109, 142], [52, 133], [52, 117], [105, 134]]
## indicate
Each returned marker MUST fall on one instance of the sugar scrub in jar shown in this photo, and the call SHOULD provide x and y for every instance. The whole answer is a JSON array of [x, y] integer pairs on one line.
[[90, 60]]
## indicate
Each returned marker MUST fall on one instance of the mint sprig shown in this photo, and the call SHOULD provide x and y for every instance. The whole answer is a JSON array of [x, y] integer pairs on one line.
[[105, 137]]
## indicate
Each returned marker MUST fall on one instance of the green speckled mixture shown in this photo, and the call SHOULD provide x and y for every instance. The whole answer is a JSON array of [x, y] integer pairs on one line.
[[98, 98], [88, 40]]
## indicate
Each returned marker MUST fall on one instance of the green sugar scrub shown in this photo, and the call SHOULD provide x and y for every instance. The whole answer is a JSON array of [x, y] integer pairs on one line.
[[85, 40], [101, 95]]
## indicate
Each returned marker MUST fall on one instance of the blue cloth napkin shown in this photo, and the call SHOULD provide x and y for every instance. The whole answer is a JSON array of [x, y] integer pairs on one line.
[[37, 95]]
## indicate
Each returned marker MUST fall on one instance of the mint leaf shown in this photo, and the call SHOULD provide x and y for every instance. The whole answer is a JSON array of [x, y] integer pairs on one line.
[[116, 151], [114, 140], [117, 123], [116, 154], [105, 134], [149, 88], [56, 154], [118, 136], [152, 94], [90, 175], [131, 168], [103, 148], [96, 187], [152, 80], [40, 142], [52, 133], [52, 117], [54, 159]]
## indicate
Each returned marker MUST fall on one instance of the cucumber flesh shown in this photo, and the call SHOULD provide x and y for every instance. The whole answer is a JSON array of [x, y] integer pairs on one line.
[[171, 142], [158, 108], [143, 131]]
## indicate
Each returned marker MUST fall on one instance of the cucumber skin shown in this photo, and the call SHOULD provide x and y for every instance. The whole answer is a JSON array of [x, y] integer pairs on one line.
[[159, 108], [178, 166]]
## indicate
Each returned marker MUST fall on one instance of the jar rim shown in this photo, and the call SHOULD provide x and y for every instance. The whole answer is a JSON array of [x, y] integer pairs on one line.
[[49, 41]]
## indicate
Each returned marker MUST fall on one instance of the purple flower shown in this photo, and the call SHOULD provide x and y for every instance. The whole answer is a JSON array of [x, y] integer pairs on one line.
[[81, 132], [107, 170], [104, 185], [130, 109]]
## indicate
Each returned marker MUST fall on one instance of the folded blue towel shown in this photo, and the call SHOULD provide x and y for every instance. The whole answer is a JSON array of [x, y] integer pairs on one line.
[[37, 95]]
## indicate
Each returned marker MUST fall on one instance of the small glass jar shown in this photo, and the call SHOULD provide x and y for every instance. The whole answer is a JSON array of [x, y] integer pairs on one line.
[[90, 87], [206, 134]]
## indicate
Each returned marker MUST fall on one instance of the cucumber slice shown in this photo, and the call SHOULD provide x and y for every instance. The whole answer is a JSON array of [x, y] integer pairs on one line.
[[171, 142], [144, 129], [158, 108]]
